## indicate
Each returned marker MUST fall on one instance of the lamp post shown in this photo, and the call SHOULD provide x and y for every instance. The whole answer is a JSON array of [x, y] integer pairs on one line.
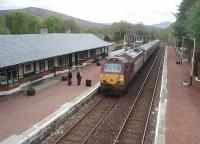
[[192, 70], [182, 49]]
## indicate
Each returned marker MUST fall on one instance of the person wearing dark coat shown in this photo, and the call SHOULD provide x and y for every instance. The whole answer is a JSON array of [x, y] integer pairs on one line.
[[79, 77], [69, 77]]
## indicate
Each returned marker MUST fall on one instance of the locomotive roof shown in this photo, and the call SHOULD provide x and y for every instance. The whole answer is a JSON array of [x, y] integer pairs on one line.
[[128, 55], [122, 59]]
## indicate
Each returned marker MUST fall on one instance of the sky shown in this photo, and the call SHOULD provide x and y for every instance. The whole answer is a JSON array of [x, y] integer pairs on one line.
[[105, 11]]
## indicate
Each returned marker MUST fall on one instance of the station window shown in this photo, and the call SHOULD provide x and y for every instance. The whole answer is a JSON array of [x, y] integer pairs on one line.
[[61, 61], [85, 54], [9, 75], [67, 60], [51, 63], [81, 56], [27, 67], [14, 73], [42, 65], [3, 79], [92, 52]]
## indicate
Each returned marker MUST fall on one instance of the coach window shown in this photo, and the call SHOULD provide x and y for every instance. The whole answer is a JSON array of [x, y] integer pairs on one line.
[[61, 61], [42, 65], [51, 63], [3, 79]]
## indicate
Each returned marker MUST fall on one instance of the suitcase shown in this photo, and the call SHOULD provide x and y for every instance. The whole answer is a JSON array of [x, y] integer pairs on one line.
[[98, 64], [69, 82], [88, 83]]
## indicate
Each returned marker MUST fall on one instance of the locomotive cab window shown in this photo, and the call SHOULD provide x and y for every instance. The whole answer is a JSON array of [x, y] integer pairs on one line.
[[111, 67]]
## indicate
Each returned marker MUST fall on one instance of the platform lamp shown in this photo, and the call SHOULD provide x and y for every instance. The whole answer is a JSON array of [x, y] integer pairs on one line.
[[192, 70], [182, 49]]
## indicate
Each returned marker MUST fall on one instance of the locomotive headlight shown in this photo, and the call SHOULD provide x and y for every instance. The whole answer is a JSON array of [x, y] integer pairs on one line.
[[121, 78]]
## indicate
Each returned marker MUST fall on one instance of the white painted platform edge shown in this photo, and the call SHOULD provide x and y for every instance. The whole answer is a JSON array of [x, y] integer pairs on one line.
[[25, 137], [161, 127]]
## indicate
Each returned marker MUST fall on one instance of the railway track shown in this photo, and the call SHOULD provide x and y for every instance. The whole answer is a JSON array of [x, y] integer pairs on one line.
[[135, 125], [83, 128], [122, 125], [110, 119]]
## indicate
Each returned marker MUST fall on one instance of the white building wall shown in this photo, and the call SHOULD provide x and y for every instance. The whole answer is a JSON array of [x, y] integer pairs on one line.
[[37, 67], [73, 57], [20, 71], [88, 53], [56, 61]]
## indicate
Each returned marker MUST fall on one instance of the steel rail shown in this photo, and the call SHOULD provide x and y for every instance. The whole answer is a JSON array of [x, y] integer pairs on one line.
[[78, 121], [99, 123], [152, 100], [137, 97]]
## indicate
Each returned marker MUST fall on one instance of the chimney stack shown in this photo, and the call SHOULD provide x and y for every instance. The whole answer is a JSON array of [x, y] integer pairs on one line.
[[68, 31], [43, 28]]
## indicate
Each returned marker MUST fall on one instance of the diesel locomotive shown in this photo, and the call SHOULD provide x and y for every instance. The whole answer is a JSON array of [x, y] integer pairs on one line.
[[118, 71]]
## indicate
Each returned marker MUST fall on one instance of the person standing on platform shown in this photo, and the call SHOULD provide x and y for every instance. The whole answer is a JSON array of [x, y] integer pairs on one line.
[[69, 77], [79, 77]]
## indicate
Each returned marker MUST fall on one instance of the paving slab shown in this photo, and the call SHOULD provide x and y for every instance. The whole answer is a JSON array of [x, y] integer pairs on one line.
[[20, 112], [183, 106]]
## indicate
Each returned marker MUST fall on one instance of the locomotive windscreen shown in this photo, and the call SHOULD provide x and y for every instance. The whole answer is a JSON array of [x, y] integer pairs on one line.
[[112, 67]]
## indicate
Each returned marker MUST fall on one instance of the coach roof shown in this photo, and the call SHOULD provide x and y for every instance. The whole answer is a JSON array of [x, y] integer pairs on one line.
[[17, 49]]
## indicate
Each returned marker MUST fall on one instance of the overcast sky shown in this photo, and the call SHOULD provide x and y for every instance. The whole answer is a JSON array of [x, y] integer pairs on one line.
[[105, 11]]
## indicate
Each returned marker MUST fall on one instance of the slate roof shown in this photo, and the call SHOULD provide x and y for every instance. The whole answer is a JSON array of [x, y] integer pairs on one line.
[[16, 49]]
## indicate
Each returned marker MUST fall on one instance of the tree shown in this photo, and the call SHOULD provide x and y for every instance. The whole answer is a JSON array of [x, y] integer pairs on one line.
[[181, 18], [17, 23], [54, 24], [70, 25], [33, 24], [3, 28], [119, 29], [193, 17], [22, 23]]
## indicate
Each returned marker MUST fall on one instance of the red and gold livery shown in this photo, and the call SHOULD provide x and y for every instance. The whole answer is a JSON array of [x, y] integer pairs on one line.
[[118, 71]]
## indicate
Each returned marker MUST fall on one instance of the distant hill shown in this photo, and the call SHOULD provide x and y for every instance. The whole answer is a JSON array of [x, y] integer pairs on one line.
[[162, 25], [41, 13]]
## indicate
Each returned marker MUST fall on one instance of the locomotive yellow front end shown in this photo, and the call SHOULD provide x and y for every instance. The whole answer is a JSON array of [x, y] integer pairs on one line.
[[112, 76]]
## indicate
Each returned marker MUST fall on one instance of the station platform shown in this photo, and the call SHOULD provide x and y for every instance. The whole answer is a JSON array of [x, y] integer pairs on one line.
[[179, 124], [179, 119], [19, 112], [183, 108]]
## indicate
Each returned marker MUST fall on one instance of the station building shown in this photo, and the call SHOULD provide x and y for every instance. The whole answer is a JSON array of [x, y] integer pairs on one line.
[[27, 58]]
